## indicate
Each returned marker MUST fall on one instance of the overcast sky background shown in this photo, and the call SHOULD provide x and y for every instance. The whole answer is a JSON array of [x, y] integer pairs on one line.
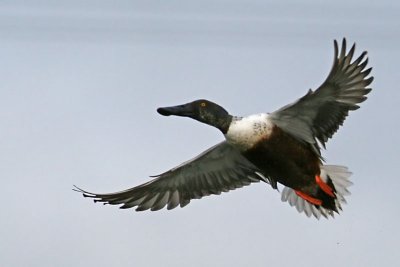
[[80, 82]]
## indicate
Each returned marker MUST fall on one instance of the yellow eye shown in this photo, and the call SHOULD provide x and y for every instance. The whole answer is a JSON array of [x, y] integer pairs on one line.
[[203, 104]]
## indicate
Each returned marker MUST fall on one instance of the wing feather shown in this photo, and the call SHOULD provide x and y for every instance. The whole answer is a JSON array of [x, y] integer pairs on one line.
[[319, 114], [219, 169]]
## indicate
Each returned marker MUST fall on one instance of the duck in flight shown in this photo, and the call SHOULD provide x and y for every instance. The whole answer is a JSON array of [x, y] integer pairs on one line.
[[279, 147]]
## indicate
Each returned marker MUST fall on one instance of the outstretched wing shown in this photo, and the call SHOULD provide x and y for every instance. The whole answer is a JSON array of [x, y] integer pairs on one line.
[[218, 169], [318, 114]]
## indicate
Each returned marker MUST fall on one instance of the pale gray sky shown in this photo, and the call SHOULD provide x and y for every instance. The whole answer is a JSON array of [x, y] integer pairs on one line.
[[79, 85]]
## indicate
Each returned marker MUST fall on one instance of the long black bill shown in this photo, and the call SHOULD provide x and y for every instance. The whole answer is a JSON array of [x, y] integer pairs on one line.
[[185, 110]]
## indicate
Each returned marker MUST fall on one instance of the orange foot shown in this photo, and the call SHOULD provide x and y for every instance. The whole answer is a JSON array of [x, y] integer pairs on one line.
[[326, 188], [310, 199]]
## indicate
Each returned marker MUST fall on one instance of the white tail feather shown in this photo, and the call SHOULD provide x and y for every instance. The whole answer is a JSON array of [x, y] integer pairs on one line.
[[340, 179]]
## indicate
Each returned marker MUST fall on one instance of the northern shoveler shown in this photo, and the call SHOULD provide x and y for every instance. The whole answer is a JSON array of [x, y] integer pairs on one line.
[[279, 147]]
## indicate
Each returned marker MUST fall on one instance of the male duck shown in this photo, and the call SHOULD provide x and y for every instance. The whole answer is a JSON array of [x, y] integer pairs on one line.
[[279, 147]]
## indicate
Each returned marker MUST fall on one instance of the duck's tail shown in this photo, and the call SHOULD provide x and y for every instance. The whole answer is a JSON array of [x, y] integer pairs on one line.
[[334, 182]]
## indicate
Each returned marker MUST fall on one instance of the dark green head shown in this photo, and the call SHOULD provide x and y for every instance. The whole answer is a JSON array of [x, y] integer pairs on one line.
[[202, 110]]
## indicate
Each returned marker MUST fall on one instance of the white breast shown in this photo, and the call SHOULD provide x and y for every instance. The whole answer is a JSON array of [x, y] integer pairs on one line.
[[246, 132]]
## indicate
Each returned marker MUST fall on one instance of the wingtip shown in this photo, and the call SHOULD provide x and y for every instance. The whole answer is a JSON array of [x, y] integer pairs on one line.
[[336, 48], [335, 42], [369, 81], [84, 192], [344, 46], [77, 189]]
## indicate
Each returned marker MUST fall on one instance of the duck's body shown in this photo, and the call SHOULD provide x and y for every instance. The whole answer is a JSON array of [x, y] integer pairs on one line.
[[279, 147], [280, 157]]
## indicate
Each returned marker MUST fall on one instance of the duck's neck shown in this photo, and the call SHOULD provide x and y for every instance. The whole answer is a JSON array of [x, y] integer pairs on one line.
[[223, 123]]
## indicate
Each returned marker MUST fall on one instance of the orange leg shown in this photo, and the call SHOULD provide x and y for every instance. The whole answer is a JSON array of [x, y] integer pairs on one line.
[[326, 188], [310, 199]]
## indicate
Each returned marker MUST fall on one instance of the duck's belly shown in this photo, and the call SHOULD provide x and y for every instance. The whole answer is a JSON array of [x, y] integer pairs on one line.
[[285, 160]]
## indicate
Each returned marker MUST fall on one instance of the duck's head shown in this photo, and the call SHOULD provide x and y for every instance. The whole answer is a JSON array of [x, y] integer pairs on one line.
[[202, 110]]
